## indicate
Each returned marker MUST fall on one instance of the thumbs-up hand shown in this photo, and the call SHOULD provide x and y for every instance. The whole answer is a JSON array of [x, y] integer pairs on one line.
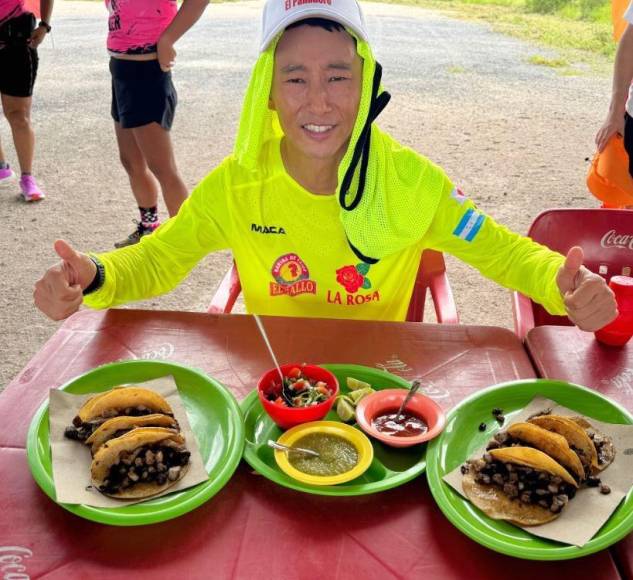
[[589, 302], [59, 293]]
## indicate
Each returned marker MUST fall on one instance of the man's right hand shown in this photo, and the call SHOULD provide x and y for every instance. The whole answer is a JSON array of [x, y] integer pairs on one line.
[[59, 293], [613, 124]]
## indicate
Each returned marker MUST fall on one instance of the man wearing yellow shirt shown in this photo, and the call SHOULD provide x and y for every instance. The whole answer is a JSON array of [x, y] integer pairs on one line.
[[325, 214]]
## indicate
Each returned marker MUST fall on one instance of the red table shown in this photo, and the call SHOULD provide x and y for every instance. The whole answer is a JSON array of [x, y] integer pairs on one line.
[[569, 354], [254, 528]]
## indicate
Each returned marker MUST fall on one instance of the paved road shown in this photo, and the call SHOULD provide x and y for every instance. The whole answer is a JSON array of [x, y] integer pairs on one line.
[[512, 135]]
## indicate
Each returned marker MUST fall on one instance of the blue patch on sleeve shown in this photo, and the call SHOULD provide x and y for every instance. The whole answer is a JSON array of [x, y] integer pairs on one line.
[[462, 223], [475, 229], [469, 226]]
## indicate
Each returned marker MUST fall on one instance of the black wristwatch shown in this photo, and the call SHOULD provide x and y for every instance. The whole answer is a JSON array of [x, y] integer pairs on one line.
[[45, 25], [99, 278]]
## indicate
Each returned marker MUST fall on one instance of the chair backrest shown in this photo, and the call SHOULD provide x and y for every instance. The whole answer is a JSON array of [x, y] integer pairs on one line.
[[605, 235], [431, 276]]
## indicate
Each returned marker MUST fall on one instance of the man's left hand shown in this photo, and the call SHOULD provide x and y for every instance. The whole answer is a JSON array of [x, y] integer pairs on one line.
[[166, 54], [37, 36], [589, 302]]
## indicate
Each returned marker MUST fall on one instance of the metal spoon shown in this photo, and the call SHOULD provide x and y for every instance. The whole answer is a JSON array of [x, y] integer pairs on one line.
[[262, 331], [287, 449], [415, 385]]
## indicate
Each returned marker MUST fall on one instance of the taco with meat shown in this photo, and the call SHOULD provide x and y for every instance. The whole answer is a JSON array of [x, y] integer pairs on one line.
[[128, 401], [140, 463], [522, 485], [553, 444], [117, 426], [605, 449], [577, 433]]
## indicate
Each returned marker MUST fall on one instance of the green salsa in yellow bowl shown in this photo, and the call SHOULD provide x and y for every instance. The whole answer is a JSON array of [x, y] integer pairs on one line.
[[344, 453]]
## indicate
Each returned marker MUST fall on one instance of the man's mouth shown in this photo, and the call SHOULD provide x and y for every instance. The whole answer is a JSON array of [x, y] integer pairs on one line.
[[313, 128]]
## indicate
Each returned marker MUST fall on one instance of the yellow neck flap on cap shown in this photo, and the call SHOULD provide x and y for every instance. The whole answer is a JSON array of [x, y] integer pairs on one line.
[[388, 194]]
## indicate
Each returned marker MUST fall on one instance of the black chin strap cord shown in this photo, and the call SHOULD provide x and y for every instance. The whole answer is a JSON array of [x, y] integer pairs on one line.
[[361, 150], [361, 153]]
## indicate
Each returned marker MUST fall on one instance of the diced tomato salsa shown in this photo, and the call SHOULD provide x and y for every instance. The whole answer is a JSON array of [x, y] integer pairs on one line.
[[298, 390]]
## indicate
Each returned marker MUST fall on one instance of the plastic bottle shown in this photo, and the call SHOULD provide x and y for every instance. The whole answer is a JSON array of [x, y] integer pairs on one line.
[[618, 332]]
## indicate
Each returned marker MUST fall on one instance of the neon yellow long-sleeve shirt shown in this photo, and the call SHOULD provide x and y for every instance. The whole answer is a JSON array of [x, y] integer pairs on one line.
[[292, 253]]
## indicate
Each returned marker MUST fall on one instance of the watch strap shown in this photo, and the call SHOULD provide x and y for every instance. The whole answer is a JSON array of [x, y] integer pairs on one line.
[[99, 278]]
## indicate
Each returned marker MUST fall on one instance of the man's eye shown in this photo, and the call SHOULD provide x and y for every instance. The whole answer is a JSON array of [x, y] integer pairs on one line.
[[337, 79], [295, 81]]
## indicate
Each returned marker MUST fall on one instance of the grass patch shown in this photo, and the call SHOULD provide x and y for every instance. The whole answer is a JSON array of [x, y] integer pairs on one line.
[[456, 70], [580, 30], [550, 62]]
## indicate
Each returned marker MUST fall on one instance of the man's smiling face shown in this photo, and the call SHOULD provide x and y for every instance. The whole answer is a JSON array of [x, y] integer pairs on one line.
[[316, 91]]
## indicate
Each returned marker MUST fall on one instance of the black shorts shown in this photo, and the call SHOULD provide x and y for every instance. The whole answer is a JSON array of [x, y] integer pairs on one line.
[[628, 140], [18, 61], [142, 94]]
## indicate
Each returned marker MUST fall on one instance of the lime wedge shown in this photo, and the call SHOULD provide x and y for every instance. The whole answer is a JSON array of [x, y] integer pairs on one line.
[[345, 410], [354, 384], [357, 395]]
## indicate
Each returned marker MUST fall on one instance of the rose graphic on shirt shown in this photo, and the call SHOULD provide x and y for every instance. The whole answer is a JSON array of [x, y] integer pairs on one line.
[[352, 278]]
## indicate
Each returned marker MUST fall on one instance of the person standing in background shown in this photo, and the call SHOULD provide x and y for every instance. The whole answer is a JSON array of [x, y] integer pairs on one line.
[[620, 116], [19, 39], [141, 39]]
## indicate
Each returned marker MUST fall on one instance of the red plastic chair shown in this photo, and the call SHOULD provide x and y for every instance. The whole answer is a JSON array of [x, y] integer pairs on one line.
[[606, 237], [431, 276]]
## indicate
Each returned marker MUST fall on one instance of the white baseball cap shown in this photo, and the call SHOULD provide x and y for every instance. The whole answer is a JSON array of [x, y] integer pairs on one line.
[[279, 14]]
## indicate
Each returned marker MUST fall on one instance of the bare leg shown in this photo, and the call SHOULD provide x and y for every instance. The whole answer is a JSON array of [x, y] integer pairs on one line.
[[144, 186], [155, 144], [17, 110], [2, 157]]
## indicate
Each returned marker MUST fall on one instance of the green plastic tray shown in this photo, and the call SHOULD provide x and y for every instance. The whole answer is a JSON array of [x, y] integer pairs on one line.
[[391, 467], [461, 438], [215, 419]]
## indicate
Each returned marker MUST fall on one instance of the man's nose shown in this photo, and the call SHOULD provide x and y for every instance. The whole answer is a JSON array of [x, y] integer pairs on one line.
[[318, 98]]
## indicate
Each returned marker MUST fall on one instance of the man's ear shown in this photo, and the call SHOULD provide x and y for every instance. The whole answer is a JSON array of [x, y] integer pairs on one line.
[[271, 104]]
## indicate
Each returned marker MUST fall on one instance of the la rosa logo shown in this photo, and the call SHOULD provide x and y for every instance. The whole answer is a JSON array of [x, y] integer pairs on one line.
[[613, 239]]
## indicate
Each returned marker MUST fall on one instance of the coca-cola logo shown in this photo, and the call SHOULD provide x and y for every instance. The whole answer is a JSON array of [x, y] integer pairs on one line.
[[162, 351], [613, 239], [11, 566]]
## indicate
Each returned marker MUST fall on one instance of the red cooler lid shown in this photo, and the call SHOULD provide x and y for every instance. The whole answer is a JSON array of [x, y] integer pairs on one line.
[[622, 285]]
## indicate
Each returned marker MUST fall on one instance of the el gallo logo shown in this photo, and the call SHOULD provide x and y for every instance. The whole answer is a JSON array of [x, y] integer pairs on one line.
[[614, 240]]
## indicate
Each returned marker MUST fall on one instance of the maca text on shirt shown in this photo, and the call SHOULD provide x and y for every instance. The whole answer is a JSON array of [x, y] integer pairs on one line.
[[267, 229]]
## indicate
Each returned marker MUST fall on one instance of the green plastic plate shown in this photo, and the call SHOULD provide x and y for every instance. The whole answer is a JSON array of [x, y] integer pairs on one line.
[[461, 438], [215, 419], [391, 467]]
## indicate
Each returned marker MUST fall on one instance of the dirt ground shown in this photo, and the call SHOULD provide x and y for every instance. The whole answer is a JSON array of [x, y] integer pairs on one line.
[[514, 136]]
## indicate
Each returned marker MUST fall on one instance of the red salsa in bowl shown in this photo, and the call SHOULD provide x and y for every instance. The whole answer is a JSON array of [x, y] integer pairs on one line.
[[409, 424], [422, 418]]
